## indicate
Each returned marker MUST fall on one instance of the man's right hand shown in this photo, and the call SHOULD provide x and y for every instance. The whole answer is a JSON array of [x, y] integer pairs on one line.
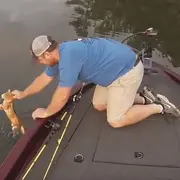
[[18, 94]]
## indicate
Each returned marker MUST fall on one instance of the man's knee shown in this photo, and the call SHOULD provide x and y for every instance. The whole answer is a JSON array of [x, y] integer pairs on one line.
[[118, 122], [114, 124], [99, 107]]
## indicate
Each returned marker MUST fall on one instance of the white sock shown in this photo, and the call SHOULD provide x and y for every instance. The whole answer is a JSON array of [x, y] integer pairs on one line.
[[160, 108]]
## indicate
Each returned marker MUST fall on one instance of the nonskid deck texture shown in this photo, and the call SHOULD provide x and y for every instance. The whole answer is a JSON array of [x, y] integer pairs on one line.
[[149, 150]]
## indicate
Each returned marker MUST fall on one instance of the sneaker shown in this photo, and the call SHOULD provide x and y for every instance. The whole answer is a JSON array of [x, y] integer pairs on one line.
[[168, 107], [148, 95]]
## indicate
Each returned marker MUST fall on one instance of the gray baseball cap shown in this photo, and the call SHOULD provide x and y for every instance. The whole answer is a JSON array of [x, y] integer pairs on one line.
[[40, 44]]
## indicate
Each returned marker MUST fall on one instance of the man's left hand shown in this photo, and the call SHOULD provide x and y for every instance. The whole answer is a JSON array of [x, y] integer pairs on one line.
[[39, 113], [59, 99]]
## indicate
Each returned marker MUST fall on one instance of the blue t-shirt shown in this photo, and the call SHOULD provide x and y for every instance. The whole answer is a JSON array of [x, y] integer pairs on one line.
[[94, 60]]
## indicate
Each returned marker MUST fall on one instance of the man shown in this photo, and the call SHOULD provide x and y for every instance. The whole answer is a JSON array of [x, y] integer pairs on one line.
[[111, 65]]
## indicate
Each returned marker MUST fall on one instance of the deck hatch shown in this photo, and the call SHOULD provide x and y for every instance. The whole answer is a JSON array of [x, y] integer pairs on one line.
[[153, 142]]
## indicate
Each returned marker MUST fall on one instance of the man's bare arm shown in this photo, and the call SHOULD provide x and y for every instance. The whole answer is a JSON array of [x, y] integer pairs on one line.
[[38, 84], [59, 99]]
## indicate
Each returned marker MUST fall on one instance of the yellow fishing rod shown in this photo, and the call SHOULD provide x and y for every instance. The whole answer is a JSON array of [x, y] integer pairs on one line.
[[45, 144], [75, 99], [55, 128]]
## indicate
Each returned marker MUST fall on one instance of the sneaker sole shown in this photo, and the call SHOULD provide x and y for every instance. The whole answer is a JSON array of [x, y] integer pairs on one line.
[[166, 100], [170, 105], [149, 94]]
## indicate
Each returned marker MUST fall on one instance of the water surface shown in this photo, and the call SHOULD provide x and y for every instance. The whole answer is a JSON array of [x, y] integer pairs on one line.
[[22, 20]]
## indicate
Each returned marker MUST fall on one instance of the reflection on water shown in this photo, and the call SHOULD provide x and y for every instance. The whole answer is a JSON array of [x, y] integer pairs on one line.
[[22, 20], [112, 18]]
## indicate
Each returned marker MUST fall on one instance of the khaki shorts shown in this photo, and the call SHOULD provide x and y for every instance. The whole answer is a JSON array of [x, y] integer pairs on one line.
[[120, 95]]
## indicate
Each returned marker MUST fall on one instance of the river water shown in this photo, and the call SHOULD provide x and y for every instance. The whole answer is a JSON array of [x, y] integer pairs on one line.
[[22, 20]]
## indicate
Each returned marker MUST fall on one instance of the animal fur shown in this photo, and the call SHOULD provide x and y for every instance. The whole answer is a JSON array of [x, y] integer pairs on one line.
[[8, 107]]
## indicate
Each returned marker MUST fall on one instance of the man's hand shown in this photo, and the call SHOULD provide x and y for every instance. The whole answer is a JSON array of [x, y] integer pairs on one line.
[[18, 94], [59, 99], [39, 113]]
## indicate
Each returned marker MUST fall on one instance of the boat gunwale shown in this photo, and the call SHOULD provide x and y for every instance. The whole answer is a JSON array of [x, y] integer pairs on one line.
[[17, 159]]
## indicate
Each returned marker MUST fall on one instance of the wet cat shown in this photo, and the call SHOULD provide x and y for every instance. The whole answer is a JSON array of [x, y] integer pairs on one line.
[[8, 107]]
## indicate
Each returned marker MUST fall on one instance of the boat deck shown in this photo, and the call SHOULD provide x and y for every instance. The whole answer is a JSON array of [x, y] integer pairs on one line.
[[149, 150]]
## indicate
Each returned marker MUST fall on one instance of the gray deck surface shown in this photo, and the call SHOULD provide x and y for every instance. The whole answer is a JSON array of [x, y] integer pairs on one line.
[[109, 154]]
